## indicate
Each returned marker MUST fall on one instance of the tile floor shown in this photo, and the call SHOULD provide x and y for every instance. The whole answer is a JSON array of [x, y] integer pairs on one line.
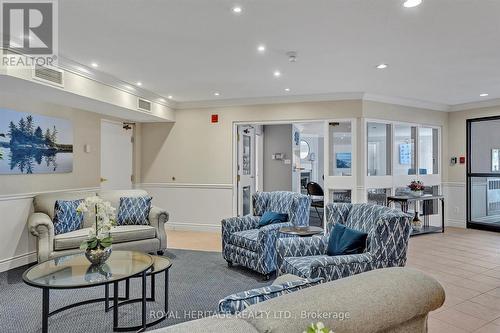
[[465, 262]]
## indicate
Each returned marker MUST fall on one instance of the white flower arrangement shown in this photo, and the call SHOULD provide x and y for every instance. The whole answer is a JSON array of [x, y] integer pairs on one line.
[[104, 220], [319, 327]]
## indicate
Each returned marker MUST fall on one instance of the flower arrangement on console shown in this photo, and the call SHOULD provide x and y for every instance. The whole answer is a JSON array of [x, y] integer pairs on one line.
[[318, 328], [98, 245], [417, 187]]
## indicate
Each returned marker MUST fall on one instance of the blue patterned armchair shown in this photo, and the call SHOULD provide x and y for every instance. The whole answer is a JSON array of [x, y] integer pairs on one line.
[[244, 243], [388, 234]]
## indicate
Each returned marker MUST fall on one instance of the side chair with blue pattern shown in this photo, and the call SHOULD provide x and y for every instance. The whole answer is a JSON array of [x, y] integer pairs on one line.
[[244, 243], [387, 243]]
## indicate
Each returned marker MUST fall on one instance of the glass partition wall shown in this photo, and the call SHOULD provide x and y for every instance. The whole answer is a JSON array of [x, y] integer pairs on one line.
[[483, 174], [397, 153], [340, 158]]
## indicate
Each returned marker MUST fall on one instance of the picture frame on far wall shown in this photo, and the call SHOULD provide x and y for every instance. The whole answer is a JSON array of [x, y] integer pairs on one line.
[[343, 160], [405, 154], [34, 144]]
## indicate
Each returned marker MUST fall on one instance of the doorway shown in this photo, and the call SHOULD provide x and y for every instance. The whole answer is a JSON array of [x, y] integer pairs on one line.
[[278, 157], [483, 173], [116, 155]]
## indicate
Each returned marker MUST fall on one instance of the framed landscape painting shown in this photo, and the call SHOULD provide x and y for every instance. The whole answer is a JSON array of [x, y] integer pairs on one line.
[[31, 143]]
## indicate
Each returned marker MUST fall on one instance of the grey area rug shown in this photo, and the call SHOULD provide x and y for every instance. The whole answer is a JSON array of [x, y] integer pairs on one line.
[[197, 281]]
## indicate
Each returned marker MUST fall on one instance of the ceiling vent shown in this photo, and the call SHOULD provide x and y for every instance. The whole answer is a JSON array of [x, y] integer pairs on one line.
[[49, 75], [144, 105]]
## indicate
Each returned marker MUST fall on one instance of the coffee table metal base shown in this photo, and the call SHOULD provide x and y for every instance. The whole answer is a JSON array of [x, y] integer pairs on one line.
[[46, 313], [152, 298]]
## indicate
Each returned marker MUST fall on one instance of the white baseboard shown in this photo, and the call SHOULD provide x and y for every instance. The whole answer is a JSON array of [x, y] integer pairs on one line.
[[180, 226], [456, 223], [17, 261]]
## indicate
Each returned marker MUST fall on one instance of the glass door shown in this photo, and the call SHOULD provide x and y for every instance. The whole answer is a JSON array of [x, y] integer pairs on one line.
[[340, 161], [483, 174], [246, 169]]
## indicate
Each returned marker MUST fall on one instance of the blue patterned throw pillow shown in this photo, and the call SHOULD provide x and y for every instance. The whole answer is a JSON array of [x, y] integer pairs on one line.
[[66, 218], [272, 217], [134, 211]]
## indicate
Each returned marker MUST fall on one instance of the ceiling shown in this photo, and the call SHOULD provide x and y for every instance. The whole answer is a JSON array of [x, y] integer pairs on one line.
[[444, 51]]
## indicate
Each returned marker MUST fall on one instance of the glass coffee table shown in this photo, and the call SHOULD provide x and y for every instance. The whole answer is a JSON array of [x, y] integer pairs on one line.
[[75, 272], [305, 231]]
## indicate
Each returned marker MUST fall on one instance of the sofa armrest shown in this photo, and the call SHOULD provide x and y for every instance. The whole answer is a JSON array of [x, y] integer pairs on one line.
[[300, 247], [157, 218], [40, 225], [336, 267]]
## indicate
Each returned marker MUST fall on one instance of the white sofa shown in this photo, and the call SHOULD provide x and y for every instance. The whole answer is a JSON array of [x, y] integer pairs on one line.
[[389, 300], [145, 238]]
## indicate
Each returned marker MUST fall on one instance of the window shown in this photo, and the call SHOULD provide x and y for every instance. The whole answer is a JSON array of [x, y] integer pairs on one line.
[[340, 136], [404, 150], [428, 151], [379, 149]]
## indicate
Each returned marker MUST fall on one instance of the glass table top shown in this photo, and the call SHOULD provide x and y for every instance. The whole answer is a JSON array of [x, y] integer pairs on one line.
[[160, 264], [75, 271]]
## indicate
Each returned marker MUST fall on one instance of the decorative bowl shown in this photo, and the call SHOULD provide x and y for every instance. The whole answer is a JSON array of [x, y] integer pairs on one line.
[[98, 256]]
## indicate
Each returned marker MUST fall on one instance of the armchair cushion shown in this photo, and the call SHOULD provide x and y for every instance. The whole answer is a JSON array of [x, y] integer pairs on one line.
[[272, 217], [238, 302], [134, 210], [246, 239], [66, 218], [344, 240]]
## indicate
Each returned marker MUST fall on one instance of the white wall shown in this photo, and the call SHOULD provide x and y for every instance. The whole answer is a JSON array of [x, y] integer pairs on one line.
[[17, 246]]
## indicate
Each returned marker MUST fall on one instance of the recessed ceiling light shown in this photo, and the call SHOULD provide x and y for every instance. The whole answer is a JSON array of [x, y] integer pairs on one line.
[[412, 3], [382, 66], [94, 64], [483, 95], [170, 96], [261, 48], [237, 9], [277, 73], [287, 89], [139, 83], [216, 93]]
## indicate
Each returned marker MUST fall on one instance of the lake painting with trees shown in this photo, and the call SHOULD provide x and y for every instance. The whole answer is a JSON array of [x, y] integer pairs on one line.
[[31, 143]]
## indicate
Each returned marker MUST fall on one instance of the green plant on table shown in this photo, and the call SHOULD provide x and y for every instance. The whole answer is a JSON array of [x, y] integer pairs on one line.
[[319, 327]]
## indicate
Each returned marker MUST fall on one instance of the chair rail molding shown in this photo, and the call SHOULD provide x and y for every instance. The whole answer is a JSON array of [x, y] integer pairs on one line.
[[192, 206], [17, 245]]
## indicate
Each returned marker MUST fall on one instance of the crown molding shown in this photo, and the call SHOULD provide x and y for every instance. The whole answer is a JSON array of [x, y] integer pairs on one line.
[[475, 105], [112, 81], [270, 100], [406, 102], [313, 98]]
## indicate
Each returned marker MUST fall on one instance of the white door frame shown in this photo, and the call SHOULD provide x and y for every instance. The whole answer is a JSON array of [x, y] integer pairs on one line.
[[235, 148]]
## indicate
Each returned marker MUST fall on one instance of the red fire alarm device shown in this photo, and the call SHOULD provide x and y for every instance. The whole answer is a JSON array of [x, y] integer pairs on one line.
[[462, 159], [214, 118]]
